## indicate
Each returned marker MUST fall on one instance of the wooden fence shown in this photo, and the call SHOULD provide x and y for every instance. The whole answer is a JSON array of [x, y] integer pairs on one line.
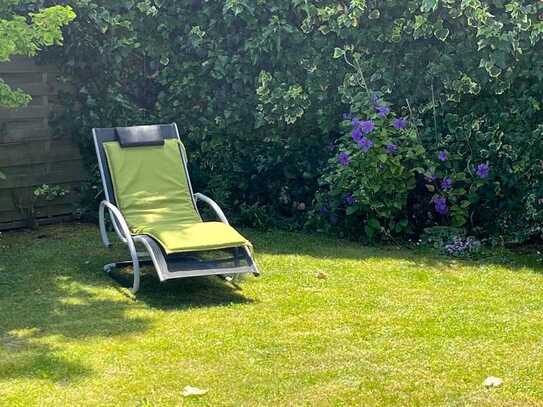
[[31, 153]]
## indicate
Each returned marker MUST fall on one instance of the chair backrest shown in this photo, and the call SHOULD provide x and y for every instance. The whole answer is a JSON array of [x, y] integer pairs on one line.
[[144, 173]]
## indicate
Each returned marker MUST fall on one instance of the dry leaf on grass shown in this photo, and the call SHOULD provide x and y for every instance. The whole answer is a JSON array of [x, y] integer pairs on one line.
[[189, 391], [321, 275], [492, 381]]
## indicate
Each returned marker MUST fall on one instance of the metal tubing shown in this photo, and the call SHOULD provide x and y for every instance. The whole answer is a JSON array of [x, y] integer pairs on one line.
[[213, 205], [125, 236]]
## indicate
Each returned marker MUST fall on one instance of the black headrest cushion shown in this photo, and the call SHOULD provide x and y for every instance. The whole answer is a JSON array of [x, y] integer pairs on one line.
[[139, 136]]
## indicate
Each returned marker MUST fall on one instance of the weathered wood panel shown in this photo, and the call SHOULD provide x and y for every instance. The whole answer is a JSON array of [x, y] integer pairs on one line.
[[47, 211], [33, 154], [37, 152], [35, 175]]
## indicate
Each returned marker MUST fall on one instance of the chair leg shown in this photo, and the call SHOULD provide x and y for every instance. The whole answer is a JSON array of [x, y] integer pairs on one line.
[[136, 284], [108, 268], [236, 256], [256, 271]]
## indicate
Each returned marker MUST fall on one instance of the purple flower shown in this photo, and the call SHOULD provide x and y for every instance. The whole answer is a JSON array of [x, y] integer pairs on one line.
[[357, 135], [483, 170], [461, 246], [382, 111], [391, 148], [443, 155], [430, 178], [355, 121], [324, 210], [367, 126], [400, 123], [343, 158], [365, 144], [349, 199], [446, 183], [440, 204]]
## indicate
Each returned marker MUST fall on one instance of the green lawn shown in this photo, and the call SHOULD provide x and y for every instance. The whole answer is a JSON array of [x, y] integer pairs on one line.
[[386, 327]]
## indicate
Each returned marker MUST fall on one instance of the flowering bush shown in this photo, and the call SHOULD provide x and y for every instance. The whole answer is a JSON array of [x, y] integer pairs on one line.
[[370, 188], [368, 181]]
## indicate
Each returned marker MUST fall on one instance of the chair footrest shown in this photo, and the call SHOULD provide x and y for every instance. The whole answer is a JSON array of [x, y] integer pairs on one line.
[[196, 264], [192, 266], [204, 272]]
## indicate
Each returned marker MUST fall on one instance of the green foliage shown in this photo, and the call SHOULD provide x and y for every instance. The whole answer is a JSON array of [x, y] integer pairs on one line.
[[468, 73], [26, 35], [258, 89], [243, 82], [27, 201], [50, 192]]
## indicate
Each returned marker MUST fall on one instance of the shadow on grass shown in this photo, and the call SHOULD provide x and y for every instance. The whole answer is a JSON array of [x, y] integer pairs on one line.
[[22, 358], [48, 305], [182, 293], [53, 292]]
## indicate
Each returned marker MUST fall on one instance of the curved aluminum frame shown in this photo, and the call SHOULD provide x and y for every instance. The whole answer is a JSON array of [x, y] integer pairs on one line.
[[124, 235], [152, 249]]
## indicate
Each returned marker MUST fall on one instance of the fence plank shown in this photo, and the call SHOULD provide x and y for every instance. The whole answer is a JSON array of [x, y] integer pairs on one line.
[[37, 152], [29, 112], [25, 65], [42, 212], [22, 131], [35, 89], [12, 200], [39, 174], [31, 153], [4, 226]]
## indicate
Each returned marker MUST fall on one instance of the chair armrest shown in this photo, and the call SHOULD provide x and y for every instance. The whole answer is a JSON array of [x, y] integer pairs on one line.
[[216, 208], [119, 223]]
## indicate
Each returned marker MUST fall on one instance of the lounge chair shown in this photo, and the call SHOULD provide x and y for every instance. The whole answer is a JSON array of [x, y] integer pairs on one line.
[[153, 210]]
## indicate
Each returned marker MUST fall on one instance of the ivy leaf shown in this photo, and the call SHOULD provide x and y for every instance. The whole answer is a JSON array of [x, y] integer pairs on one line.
[[351, 210], [338, 53], [494, 71], [374, 224], [442, 34], [429, 5], [458, 220], [374, 14]]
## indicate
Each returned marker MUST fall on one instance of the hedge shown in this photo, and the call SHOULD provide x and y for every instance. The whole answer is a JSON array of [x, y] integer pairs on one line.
[[261, 91]]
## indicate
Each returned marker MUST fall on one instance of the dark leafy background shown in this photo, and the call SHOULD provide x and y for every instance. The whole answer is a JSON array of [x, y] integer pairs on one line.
[[259, 97]]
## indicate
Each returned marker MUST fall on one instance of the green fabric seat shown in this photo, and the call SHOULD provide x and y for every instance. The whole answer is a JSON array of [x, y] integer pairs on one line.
[[153, 193], [196, 236]]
